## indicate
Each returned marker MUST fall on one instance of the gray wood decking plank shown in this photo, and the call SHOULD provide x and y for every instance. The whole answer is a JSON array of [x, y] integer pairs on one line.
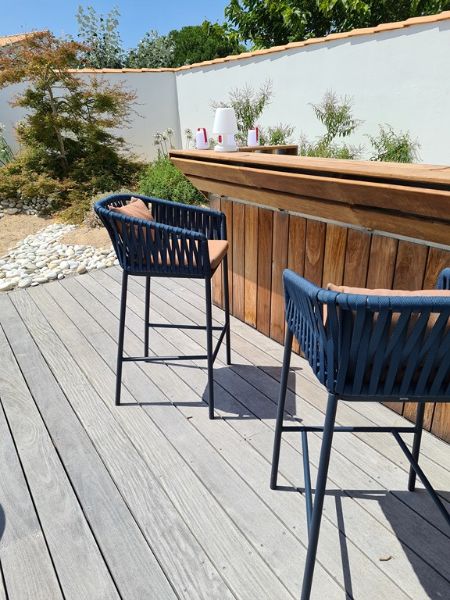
[[384, 445], [188, 376], [166, 532], [407, 524], [438, 465], [58, 509], [361, 455], [183, 559], [25, 560], [129, 558], [242, 505], [246, 574], [2, 586]]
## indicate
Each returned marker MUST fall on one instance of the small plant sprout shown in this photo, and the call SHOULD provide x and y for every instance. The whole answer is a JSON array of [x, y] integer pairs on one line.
[[189, 137]]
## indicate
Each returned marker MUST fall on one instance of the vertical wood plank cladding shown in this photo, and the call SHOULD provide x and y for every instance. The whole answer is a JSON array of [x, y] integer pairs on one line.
[[383, 252], [334, 260], [279, 263], [439, 420], [296, 252], [227, 208], [251, 264], [265, 223], [296, 246], [314, 250], [410, 266], [238, 259], [214, 203], [263, 242], [408, 275], [356, 258], [437, 260]]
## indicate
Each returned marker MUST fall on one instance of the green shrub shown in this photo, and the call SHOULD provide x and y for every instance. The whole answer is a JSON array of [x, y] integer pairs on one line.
[[163, 179], [393, 147], [322, 149], [278, 135], [336, 115]]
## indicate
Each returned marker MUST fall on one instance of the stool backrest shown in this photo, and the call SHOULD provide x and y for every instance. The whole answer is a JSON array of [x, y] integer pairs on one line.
[[366, 346], [174, 243]]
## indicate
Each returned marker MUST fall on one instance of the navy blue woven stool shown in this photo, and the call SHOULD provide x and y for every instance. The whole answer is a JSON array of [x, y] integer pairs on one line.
[[178, 241], [364, 347]]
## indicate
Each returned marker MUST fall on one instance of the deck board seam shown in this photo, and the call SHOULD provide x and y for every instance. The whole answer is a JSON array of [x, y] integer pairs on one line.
[[370, 515], [2, 408], [149, 466], [94, 536], [419, 515], [304, 398], [222, 508], [427, 434]]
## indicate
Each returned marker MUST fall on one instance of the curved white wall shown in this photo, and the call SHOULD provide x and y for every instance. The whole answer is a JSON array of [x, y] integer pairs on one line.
[[400, 77]]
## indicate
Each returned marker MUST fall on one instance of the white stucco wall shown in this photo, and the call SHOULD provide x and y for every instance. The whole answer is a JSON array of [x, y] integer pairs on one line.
[[155, 109], [400, 77]]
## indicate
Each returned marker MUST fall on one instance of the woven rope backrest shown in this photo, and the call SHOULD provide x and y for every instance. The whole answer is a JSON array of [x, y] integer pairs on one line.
[[372, 345], [150, 247]]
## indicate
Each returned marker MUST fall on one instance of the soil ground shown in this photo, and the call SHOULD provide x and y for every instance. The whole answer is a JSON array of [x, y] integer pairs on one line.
[[14, 228], [97, 237]]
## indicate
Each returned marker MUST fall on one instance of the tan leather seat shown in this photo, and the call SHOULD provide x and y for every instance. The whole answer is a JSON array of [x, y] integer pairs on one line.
[[217, 250]]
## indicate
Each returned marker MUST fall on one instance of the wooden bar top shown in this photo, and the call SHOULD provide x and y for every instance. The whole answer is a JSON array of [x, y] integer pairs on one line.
[[435, 175], [411, 200]]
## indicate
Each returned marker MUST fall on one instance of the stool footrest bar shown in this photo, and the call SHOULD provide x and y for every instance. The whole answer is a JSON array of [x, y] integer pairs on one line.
[[350, 429], [164, 358], [182, 326]]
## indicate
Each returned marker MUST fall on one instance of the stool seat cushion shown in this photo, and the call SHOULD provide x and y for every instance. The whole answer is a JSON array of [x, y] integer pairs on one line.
[[345, 289], [217, 250]]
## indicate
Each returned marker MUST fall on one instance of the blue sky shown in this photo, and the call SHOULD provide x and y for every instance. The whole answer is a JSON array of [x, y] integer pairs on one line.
[[137, 16]]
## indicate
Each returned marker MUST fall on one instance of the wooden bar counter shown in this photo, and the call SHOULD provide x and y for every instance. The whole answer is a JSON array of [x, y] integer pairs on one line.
[[380, 225]]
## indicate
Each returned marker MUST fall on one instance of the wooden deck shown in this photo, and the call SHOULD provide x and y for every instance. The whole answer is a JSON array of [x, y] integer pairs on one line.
[[151, 500]]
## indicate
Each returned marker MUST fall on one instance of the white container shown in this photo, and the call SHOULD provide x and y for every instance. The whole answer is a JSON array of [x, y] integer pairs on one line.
[[253, 137], [201, 139], [226, 126]]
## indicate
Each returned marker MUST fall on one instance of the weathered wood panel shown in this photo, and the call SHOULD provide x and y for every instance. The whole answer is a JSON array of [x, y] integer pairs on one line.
[[334, 261], [279, 263], [238, 259], [383, 252], [251, 264], [263, 247], [226, 206], [315, 250], [265, 221]]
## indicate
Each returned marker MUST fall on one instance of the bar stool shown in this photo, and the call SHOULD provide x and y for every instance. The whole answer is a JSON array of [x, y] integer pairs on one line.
[[159, 238], [371, 346]]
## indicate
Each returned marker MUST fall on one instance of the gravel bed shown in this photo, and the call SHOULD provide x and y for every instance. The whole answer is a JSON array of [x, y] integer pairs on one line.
[[41, 257]]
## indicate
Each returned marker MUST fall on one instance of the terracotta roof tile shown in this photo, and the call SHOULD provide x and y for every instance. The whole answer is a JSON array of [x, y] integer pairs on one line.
[[308, 42], [7, 40]]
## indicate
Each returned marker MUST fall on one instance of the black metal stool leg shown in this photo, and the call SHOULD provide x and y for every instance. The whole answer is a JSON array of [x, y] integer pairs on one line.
[[280, 411], [209, 346], [147, 314], [226, 300], [319, 496], [416, 444], [123, 307]]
